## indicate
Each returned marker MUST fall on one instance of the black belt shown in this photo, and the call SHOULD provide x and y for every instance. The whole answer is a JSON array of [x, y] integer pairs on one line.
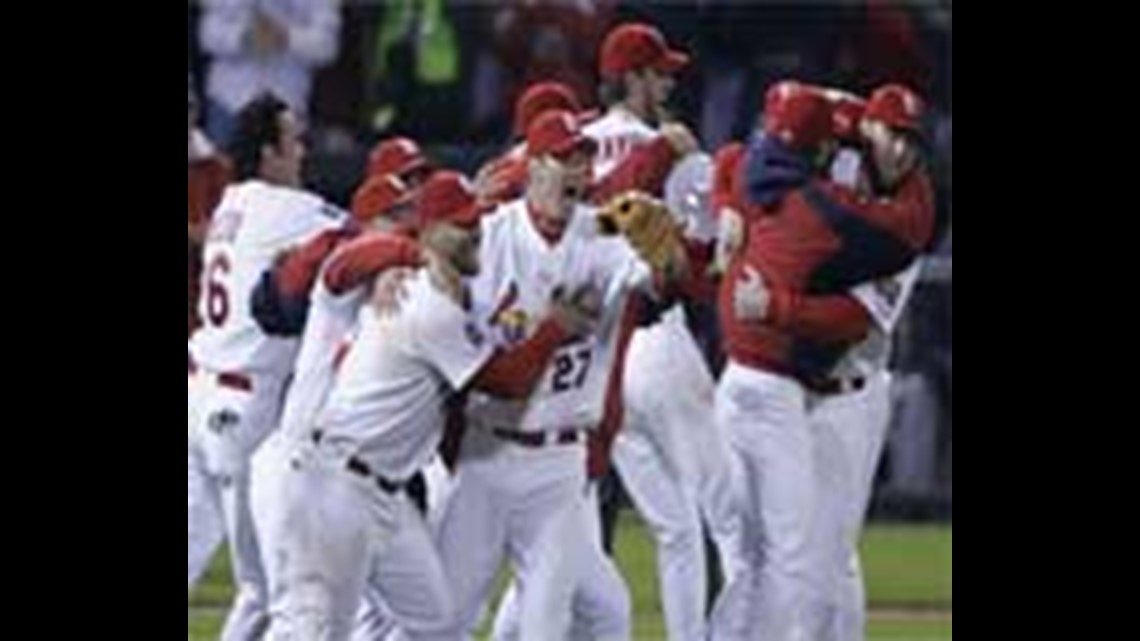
[[539, 440], [362, 469], [836, 386], [388, 486]]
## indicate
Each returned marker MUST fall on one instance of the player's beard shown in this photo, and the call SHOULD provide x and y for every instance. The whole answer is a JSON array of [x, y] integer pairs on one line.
[[467, 259]]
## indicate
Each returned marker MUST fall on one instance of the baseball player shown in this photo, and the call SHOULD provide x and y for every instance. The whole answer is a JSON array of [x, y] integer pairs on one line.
[[237, 374], [604, 611], [326, 282], [383, 422], [601, 602], [321, 288], [788, 318], [669, 454], [851, 421], [521, 486], [382, 204]]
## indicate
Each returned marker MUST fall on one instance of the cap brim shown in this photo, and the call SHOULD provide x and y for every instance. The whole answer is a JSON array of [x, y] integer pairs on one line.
[[583, 117], [674, 62], [418, 165]]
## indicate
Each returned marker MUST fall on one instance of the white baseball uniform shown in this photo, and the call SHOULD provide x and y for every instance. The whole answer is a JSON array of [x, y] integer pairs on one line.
[[344, 509], [851, 430], [238, 381], [330, 327], [527, 501]]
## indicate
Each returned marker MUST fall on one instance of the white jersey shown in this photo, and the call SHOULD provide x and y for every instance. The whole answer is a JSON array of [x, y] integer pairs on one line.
[[519, 275], [252, 226], [329, 329], [885, 300], [334, 308], [387, 404], [617, 134]]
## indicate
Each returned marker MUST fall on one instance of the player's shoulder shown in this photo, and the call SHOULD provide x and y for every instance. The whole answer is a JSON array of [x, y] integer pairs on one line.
[[427, 308], [281, 215], [611, 119], [500, 215], [503, 221], [277, 199], [618, 122], [584, 224], [601, 247]]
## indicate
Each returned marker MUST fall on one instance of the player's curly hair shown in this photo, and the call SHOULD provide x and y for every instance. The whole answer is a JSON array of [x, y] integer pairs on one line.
[[258, 126]]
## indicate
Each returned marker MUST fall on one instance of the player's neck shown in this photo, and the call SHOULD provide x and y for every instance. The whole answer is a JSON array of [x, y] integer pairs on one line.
[[641, 110], [547, 229]]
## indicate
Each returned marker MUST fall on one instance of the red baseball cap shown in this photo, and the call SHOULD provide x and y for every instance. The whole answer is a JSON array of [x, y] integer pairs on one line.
[[846, 113], [378, 196], [397, 156], [635, 46], [897, 107], [448, 197], [558, 134], [798, 114], [540, 98]]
